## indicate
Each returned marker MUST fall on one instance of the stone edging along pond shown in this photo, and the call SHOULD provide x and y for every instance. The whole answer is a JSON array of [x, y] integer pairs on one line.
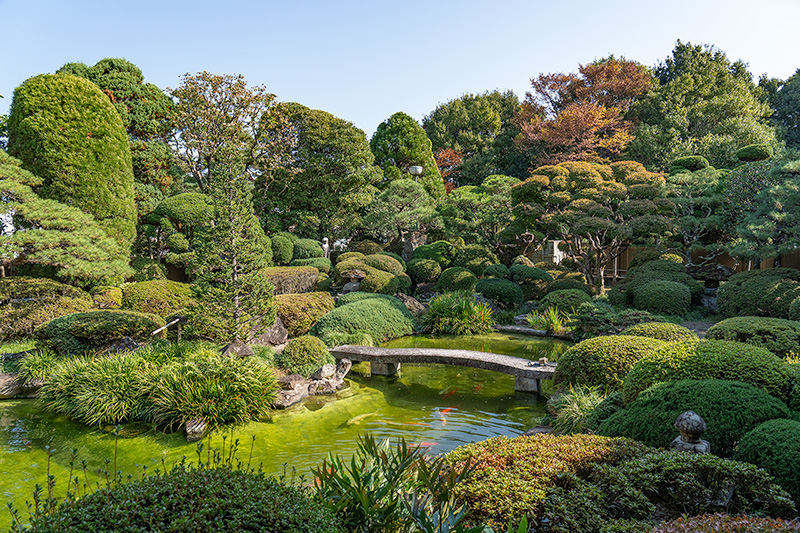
[[524, 330]]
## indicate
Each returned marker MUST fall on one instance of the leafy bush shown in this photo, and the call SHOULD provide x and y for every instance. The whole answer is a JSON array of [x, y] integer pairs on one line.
[[323, 264], [600, 318], [754, 152], [193, 500], [651, 417], [549, 319], [457, 313], [500, 291], [711, 359], [92, 330], [424, 270], [292, 280], [624, 292], [304, 355], [566, 301], [723, 523], [440, 251], [288, 235], [381, 318], [664, 331], [602, 361], [366, 247], [777, 335], [775, 447], [692, 163], [602, 411], [384, 282], [532, 280], [395, 257], [457, 279], [162, 297], [497, 270], [299, 312], [385, 263], [349, 255], [282, 250], [341, 339], [105, 297], [474, 258], [147, 270], [668, 297], [357, 296], [568, 284], [306, 249], [760, 293]]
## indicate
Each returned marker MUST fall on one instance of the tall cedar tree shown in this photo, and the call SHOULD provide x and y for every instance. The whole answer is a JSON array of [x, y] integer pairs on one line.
[[583, 116], [235, 297]]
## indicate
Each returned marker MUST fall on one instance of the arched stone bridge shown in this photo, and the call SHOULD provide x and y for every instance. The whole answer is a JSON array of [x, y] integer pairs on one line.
[[386, 361]]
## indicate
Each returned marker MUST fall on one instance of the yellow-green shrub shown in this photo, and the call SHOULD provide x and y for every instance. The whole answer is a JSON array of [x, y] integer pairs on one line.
[[299, 312]]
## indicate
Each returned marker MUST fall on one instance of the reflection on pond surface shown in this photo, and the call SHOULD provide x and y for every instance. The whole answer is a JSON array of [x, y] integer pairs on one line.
[[436, 406]]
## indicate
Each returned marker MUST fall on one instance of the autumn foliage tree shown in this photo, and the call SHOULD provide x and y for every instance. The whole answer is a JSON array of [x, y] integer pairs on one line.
[[583, 116]]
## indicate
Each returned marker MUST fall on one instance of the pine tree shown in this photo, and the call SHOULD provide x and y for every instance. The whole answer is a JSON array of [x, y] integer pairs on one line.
[[236, 299]]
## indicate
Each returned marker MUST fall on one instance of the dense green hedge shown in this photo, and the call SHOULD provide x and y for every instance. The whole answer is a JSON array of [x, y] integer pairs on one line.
[[456, 279], [567, 300], [381, 318], [161, 297], [385, 263], [282, 250], [690, 162], [767, 292], [568, 283], [754, 152], [307, 248], [497, 270], [348, 255], [532, 280], [66, 131], [292, 280], [474, 258], [148, 269], [299, 312], [500, 291], [304, 355], [395, 257], [424, 270], [777, 335], [775, 447], [440, 251], [602, 361], [664, 331], [667, 297], [92, 330], [323, 264], [193, 500], [624, 292], [711, 359], [377, 280], [729, 408]]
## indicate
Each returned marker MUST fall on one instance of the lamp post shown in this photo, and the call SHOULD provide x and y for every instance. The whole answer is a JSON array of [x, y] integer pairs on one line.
[[415, 170]]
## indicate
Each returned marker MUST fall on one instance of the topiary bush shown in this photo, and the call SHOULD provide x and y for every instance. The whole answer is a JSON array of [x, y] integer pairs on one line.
[[724, 523], [299, 312], [382, 282], [602, 361], [357, 296], [148, 269], [475, 258], [667, 297], [767, 292], [323, 264], [395, 257], [601, 318], [223, 499], [306, 249], [777, 335], [456, 279], [657, 270], [385, 263], [82, 332], [304, 355], [161, 297], [424, 270], [651, 417], [348, 255], [532, 280], [754, 152], [457, 313], [711, 359], [692, 163], [497, 270], [502, 292], [775, 447], [381, 318], [610, 405], [440, 251], [568, 284], [366, 247], [566, 301], [282, 250], [292, 280], [664, 331], [105, 297]]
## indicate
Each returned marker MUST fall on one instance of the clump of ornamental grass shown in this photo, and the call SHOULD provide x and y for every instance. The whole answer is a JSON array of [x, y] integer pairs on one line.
[[549, 319], [38, 365], [573, 408], [457, 313]]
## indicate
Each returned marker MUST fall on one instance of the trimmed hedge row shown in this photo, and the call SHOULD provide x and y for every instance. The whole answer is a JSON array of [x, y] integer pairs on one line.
[[159, 297], [382, 318], [500, 291], [81, 332], [299, 312], [664, 331], [770, 292], [777, 335], [292, 280]]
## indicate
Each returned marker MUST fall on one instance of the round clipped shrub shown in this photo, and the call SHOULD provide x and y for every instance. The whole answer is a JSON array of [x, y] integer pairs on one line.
[[723, 523], [288, 235], [385, 263], [610, 405], [660, 270], [522, 260], [602, 361], [664, 331], [193, 500], [496, 270], [775, 447], [323, 264], [80, 332], [651, 417], [147, 270], [282, 250], [532, 280], [667, 297], [440, 251], [306, 249], [299, 312], [304, 355], [395, 257], [502, 292], [348, 255], [456, 279], [767, 292], [424, 270], [566, 301], [777, 335], [357, 296], [160, 297], [381, 318], [711, 359], [105, 297], [754, 152], [366, 247], [475, 258], [568, 284], [383, 282], [690, 162]]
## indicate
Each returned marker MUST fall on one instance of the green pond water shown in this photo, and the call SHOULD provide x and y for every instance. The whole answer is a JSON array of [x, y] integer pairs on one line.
[[439, 407]]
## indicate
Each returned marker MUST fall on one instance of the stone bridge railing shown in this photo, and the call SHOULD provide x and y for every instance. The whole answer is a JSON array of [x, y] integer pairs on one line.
[[386, 361]]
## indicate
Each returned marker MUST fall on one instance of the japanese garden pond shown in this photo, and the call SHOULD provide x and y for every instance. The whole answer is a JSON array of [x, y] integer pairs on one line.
[[439, 407]]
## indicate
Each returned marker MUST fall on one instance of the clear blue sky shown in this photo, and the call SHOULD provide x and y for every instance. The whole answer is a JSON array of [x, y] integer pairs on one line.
[[365, 60]]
